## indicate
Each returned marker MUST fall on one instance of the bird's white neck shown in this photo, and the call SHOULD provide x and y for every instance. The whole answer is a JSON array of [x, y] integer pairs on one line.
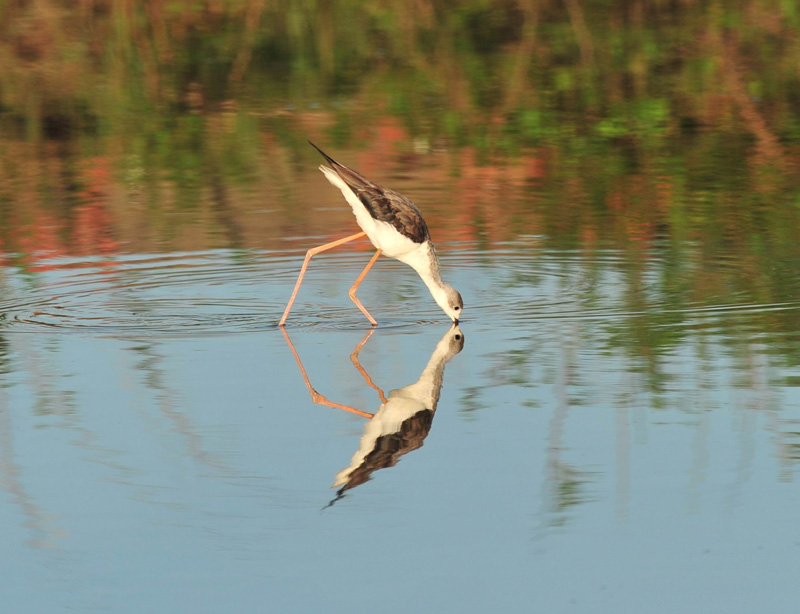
[[435, 284], [425, 262], [429, 385]]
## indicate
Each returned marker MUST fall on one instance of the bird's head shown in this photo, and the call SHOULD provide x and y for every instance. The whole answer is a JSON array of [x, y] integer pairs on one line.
[[451, 303]]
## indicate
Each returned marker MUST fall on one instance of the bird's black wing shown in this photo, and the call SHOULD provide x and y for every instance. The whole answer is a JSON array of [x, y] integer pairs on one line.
[[388, 206], [383, 204]]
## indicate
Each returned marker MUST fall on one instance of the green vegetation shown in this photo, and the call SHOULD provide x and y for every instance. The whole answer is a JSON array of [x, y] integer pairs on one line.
[[667, 129]]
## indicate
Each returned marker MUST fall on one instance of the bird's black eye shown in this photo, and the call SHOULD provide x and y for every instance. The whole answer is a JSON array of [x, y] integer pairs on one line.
[[458, 337], [457, 307]]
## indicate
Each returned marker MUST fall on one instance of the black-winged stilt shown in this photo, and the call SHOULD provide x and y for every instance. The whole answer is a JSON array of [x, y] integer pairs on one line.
[[395, 227]]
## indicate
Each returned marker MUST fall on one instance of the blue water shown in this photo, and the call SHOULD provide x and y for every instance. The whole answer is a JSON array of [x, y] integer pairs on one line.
[[160, 452]]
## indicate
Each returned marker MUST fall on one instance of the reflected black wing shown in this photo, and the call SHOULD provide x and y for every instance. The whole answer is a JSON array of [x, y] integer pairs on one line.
[[391, 446], [383, 204]]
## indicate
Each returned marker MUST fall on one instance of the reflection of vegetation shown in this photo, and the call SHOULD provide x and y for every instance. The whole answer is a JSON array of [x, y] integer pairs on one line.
[[5, 359], [565, 486], [667, 130]]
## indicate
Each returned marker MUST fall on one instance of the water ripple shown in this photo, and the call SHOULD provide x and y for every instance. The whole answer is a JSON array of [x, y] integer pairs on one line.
[[222, 292]]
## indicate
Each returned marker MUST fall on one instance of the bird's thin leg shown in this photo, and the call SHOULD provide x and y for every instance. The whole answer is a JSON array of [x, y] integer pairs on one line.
[[309, 254], [316, 397], [354, 287], [361, 370]]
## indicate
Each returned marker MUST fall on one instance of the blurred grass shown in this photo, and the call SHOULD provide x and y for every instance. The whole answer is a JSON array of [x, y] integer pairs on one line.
[[644, 125]]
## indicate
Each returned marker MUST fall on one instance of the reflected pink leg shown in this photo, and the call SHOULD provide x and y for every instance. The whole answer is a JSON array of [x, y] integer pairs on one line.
[[316, 397], [357, 365]]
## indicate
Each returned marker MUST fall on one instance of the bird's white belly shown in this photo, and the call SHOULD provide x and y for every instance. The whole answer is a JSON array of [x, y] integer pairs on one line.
[[385, 237]]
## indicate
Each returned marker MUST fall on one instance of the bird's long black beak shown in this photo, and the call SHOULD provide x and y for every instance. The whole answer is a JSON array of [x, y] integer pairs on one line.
[[455, 322]]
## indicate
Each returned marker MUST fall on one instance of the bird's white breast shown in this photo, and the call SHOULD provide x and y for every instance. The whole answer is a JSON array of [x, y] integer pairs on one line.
[[383, 235]]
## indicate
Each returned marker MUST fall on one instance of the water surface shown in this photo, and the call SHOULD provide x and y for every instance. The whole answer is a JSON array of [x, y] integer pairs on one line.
[[161, 450]]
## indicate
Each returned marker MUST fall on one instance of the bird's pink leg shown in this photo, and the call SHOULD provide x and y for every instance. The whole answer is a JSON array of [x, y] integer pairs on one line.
[[361, 370], [309, 254], [354, 287], [316, 397]]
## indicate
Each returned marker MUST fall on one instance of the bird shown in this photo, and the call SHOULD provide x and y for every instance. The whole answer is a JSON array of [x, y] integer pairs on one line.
[[403, 420], [395, 227]]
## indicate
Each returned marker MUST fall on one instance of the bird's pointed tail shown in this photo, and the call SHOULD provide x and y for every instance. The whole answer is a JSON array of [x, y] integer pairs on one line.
[[353, 179], [324, 155]]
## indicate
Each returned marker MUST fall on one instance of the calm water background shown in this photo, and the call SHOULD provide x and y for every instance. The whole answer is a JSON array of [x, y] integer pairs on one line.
[[614, 189]]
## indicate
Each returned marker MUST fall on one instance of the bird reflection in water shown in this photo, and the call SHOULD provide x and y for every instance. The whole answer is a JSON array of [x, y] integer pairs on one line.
[[404, 418]]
